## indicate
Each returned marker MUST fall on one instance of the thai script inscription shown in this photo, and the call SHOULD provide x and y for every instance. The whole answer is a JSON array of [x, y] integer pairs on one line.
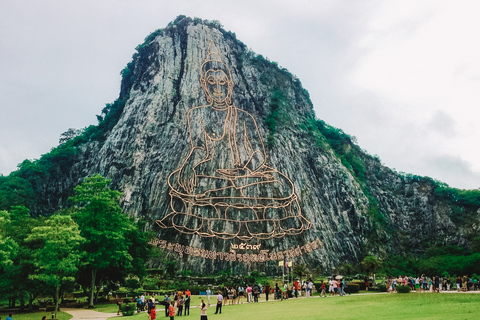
[[263, 256], [244, 246]]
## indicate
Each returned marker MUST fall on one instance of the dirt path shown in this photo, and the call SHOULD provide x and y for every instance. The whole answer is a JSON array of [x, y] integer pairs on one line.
[[79, 314]]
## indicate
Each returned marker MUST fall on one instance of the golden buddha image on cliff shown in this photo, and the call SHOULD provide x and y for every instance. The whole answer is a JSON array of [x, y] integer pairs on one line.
[[225, 188]]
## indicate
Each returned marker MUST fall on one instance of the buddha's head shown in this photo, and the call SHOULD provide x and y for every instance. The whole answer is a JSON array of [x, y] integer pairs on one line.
[[216, 79]]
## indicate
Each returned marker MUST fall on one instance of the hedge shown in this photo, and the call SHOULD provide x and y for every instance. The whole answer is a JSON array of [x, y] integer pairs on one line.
[[361, 285], [352, 288], [382, 288], [128, 308], [403, 289]]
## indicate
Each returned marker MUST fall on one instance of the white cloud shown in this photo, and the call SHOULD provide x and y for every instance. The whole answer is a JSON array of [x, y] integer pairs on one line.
[[402, 76]]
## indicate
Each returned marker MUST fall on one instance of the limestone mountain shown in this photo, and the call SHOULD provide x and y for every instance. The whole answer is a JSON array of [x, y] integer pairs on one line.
[[351, 203]]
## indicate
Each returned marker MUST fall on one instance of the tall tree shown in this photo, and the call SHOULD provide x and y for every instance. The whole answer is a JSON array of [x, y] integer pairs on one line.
[[14, 281], [104, 227], [8, 249], [58, 255], [371, 264], [300, 270]]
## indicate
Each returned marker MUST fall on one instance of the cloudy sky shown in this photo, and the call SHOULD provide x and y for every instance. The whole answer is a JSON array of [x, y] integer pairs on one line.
[[403, 77]]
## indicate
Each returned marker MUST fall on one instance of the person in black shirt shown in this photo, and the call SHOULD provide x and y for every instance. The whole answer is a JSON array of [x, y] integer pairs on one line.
[[187, 305], [150, 306]]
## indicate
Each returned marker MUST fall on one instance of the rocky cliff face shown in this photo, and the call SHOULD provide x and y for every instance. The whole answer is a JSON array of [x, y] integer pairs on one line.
[[150, 140]]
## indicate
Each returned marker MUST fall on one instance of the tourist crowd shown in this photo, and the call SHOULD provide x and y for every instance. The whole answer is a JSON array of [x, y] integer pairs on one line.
[[433, 284], [178, 303]]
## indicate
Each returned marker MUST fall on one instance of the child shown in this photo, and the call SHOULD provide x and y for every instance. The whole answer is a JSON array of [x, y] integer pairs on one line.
[[171, 310], [323, 294], [153, 313], [119, 304]]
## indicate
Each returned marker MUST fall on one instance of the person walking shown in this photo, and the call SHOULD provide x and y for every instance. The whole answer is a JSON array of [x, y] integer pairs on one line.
[[139, 304], [9, 316], [309, 288], [256, 292], [267, 291], [335, 287], [150, 306], [119, 304], [323, 293], [203, 311], [219, 303], [330, 286], [153, 313], [142, 298], [209, 293], [296, 287], [249, 294], [285, 290]]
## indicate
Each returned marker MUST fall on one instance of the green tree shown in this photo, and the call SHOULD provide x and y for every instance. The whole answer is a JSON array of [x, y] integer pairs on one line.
[[346, 269], [300, 270], [15, 227], [58, 255], [371, 264], [8, 246], [15, 191], [105, 228]]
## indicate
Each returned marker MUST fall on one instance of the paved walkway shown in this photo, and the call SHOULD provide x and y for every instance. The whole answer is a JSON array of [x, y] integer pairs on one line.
[[79, 314]]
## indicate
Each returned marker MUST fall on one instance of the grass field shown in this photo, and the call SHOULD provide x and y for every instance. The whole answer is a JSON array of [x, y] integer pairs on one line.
[[35, 315], [371, 306]]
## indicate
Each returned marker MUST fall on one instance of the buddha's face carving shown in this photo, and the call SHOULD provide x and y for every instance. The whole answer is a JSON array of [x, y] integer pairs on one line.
[[216, 81], [217, 85]]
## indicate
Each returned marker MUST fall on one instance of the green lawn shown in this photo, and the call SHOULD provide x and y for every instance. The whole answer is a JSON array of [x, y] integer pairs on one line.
[[372, 306], [35, 315], [106, 307]]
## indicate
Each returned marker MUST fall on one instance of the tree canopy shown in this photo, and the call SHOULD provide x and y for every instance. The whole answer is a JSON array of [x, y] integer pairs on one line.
[[112, 238]]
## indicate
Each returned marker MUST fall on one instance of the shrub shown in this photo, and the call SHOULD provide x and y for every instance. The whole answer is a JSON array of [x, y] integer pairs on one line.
[[128, 309], [150, 287], [361, 284], [353, 288], [132, 284], [382, 288], [403, 289]]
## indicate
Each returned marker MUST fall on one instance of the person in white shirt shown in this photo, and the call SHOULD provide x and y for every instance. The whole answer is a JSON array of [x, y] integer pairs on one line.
[[219, 303], [209, 293], [330, 286], [309, 288], [142, 299]]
